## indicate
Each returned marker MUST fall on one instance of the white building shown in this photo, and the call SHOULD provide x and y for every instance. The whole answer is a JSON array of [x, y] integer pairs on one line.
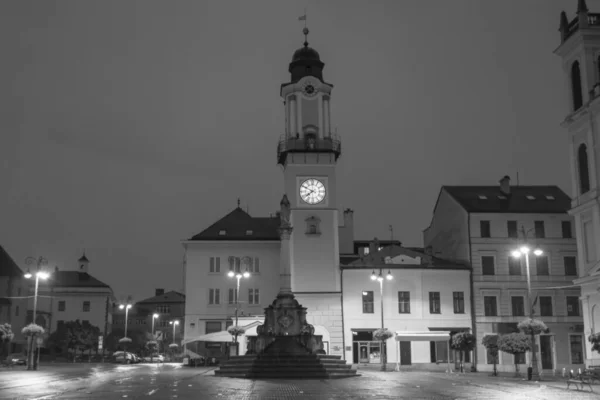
[[73, 295], [319, 244], [481, 226], [580, 53]]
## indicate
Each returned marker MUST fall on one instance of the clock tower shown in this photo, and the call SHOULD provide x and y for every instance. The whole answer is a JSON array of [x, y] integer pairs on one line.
[[308, 152]]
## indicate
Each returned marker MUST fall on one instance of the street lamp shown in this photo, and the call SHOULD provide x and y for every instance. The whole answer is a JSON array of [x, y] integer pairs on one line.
[[126, 307], [174, 323], [238, 275], [154, 316], [39, 274], [379, 278], [525, 250]]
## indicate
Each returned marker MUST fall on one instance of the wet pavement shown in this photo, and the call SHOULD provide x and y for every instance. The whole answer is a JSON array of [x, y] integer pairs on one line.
[[172, 381]]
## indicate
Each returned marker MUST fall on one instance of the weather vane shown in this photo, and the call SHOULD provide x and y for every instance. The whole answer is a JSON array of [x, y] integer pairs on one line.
[[305, 30]]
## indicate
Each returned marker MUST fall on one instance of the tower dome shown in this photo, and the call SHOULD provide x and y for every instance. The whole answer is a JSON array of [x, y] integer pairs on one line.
[[306, 62]]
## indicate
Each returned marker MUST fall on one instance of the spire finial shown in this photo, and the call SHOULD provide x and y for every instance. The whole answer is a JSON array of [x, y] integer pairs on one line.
[[238, 202], [305, 30]]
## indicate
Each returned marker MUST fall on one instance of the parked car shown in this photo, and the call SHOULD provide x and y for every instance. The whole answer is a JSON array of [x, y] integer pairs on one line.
[[155, 358], [125, 357], [16, 359]]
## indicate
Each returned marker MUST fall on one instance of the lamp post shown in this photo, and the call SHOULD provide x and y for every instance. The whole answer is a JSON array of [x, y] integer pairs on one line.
[[39, 274], [126, 306], [154, 316], [379, 278], [174, 323], [238, 275], [525, 250]]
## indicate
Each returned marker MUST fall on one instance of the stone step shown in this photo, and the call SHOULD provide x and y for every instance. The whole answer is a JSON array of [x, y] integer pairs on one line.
[[284, 368]]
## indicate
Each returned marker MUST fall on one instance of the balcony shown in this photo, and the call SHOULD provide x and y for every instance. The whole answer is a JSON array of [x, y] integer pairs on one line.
[[308, 144], [593, 22]]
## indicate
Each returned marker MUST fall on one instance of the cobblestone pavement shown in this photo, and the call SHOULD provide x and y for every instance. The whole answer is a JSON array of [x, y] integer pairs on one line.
[[171, 381]]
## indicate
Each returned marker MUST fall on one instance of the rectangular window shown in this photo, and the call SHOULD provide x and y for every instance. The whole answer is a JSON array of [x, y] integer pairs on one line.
[[16, 311], [86, 306], [162, 309], [511, 226], [215, 264], [60, 324], [214, 296], [576, 346], [520, 358], [62, 305], [540, 231], [573, 306], [518, 306], [367, 302], [541, 265], [484, 226], [458, 299], [231, 296], [253, 296], [256, 265], [213, 326], [434, 303], [490, 306], [487, 265], [566, 230], [404, 302], [545, 306], [570, 265], [588, 232], [514, 266]]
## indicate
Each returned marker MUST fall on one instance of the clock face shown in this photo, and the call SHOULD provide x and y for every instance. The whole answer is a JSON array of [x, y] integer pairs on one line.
[[312, 191], [309, 89]]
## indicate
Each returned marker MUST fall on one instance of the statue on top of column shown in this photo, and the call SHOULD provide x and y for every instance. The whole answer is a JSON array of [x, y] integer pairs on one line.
[[285, 211]]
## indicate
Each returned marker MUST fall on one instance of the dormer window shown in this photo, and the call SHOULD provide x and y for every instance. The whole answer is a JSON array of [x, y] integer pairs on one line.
[[222, 233], [482, 197], [548, 197], [313, 225], [502, 197], [530, 197], [365, 250], [249, 233]]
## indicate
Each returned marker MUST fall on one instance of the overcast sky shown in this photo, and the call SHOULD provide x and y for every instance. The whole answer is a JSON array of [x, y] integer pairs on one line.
[[127, 126]]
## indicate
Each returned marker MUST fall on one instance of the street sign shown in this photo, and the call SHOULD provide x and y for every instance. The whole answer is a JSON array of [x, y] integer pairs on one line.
[[158, 335], [100, 339], [40, 341]]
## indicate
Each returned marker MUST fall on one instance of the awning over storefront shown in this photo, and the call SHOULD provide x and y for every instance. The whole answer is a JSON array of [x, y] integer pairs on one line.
[[222, 336], [424, 336]]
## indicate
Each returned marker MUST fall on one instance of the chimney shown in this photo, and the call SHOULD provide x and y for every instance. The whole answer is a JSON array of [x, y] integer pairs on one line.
[[159, 292], [505, 185]]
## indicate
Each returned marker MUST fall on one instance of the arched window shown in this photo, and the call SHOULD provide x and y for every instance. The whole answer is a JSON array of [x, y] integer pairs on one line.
[[312, 226], [576, 86], [584, 174]]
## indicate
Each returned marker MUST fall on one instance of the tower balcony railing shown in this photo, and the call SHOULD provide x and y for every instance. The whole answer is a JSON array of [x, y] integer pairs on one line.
[[308, 144], [593, 22]]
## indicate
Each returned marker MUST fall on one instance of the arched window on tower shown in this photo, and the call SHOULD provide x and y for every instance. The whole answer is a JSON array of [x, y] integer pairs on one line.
[[312, 225], [576, 86], [584, 174]]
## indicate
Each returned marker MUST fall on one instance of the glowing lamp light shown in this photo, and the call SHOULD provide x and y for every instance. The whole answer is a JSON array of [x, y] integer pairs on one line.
[[538, 252], [524, 249], [238, 275], [516, 253], [365, 294], [389, 276], [27, 275], [380, 278], [246, 274], [373, 276], [231, 274], [43, 275], [155, 316]]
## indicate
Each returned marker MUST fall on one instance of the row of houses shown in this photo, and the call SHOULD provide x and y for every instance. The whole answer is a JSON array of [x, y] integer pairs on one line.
[[75, 294]]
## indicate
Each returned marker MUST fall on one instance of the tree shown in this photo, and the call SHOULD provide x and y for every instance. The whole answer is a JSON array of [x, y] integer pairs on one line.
[[80, 337], [594, 339], [32, 331], [532, 327], [514, 343], [490, 342], [382, 335], [462, 341], [6, 335]]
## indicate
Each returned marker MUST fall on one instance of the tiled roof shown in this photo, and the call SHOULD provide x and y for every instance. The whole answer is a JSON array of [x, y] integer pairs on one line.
[[169, 297], [522, 199], [239, 225], [8, 266], [73, 279]]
